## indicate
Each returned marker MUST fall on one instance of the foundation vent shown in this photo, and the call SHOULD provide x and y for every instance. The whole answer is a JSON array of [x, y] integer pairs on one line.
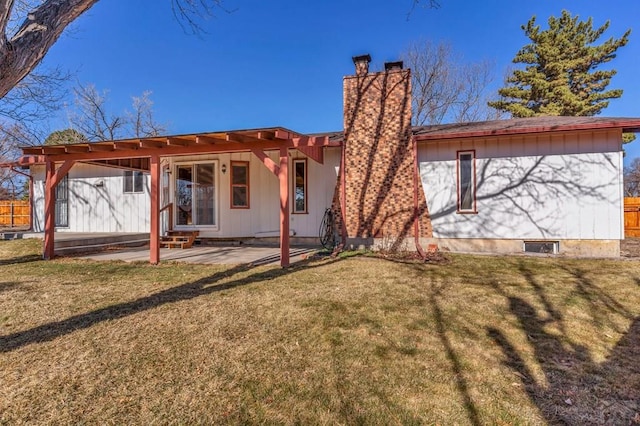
[[542, 247]]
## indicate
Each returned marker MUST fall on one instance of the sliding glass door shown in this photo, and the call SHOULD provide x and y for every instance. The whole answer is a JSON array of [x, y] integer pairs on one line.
[[195, 196]]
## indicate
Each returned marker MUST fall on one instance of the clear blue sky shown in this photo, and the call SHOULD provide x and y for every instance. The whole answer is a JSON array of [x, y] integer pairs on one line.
[[281, 62]]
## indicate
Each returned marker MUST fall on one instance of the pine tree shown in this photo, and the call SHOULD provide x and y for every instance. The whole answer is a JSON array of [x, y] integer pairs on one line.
[[561, 76]]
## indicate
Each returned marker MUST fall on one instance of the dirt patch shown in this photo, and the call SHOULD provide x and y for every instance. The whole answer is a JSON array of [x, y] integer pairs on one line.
[[630, 247]]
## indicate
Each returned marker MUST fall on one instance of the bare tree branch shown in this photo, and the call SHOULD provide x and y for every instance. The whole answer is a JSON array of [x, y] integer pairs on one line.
[[446, 88], [20, 54], [92, 119], [632, 179], [141, 120]]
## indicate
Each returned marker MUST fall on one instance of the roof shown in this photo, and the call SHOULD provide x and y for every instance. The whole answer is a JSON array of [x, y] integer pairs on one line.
[[222, 141], [517, 126], [272, 137]]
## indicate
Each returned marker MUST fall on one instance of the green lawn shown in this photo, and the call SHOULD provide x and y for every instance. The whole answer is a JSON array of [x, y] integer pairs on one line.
[[353, 340]]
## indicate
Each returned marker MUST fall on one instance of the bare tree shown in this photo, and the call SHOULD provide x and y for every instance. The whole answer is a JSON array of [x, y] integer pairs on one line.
[[141, 120], [28, 29], [632, 179], [92, 118], [12, 185], [444, 87]]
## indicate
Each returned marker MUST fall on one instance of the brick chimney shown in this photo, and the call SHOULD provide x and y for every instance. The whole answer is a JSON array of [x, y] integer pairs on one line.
[[381, 197]]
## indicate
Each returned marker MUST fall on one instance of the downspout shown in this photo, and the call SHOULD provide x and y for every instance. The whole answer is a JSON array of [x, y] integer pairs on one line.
[[416, 206], [30, 194], [343, 192]]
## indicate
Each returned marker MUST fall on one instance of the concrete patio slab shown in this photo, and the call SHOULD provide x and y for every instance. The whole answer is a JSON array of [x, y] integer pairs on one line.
[[254, 255]]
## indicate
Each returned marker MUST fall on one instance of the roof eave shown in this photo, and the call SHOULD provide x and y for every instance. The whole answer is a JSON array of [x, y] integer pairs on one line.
[[627, 126]]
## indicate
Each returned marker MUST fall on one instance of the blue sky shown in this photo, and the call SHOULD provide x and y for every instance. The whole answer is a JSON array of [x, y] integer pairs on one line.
[[281, 62]]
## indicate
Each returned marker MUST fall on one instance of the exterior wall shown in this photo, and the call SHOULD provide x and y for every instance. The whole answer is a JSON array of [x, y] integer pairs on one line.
[[262, 219], [379, 158], [96, 208], [564, 186], [109, 209]]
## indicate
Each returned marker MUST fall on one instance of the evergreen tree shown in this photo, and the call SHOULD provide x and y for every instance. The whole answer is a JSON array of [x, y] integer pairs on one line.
[[561, 75], [60, 137]]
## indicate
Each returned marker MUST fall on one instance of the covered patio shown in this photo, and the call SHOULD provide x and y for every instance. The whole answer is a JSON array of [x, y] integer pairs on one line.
[[226, 255], [59, 159]]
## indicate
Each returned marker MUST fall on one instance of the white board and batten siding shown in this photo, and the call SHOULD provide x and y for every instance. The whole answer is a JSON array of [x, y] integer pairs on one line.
[[548, 186], [262, 218], [97, 201]]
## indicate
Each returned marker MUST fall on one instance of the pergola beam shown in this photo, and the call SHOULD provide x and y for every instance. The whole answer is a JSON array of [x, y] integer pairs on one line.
[[102, 147], [283, 178], [281, 171], [52, 178], [208, 140], [154, 240], [179, 142], [77, 148]]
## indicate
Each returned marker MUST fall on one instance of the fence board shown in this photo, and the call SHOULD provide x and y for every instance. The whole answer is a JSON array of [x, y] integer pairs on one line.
[[632, 217], [14, 213]]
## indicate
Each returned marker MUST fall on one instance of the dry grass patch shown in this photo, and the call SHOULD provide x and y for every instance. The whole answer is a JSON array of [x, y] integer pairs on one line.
[[337, 341]]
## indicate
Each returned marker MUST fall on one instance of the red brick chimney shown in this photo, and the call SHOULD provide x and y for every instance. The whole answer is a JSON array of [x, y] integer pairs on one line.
[[381, 196]]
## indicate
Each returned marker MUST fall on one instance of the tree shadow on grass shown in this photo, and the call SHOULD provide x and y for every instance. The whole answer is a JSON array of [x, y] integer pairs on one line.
[[21, 259], [456, 366], [9, 285], [576, 388], [201, 287]]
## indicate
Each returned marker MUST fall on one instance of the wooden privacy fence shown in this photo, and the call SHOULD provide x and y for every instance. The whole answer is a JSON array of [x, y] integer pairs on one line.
[[632, 217], [14, 213]]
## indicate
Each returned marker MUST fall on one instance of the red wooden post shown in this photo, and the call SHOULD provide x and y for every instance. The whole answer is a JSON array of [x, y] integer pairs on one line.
[[154, 243], [49, 211], [283, 177]]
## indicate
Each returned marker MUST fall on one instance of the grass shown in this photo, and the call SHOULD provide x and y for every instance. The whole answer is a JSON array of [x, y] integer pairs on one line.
[[354, 340]]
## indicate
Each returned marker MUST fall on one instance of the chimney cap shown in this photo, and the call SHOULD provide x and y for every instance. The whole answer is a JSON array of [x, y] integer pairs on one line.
[[362, 58], [397, 65]]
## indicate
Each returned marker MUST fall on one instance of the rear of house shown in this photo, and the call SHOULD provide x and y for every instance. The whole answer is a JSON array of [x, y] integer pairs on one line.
[[543, 184]]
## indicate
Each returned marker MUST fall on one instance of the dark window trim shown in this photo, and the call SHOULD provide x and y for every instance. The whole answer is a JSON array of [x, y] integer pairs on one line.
[[459, 210], [306, 186], [244, 164], [131, 174], [62, 199]]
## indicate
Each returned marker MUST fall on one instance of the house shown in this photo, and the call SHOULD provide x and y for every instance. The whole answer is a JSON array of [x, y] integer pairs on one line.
[[550, 184]]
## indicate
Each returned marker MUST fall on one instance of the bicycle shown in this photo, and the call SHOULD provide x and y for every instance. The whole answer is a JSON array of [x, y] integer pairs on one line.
[[327, 232]]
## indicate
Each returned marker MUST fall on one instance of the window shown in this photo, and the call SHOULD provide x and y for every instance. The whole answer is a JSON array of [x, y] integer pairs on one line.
[[133, 181], [467, 182], [62, 202], [239, 185], [544, 247], [300, 186]]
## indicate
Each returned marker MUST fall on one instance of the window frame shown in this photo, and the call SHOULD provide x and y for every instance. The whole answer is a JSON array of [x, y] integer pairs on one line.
[[473, 183], [295, 161], [233, 185], [216, 194], [62, 199], [131, 174]]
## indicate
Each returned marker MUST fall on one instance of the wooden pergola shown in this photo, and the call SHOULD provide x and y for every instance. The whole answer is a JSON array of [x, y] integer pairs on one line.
[[59, 159]]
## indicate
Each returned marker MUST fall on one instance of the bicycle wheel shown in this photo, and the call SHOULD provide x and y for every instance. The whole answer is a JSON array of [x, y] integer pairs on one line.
[[326, 231]]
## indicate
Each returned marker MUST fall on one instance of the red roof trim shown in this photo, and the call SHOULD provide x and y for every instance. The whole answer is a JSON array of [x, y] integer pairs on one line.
[[625, 126]]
